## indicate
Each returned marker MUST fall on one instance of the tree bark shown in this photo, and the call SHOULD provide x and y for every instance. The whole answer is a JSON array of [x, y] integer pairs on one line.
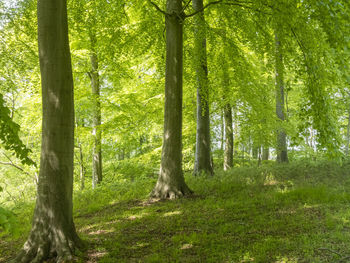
[[171, 182], [255, 151], [265, 155], [82, 167], [203, 151], [348, 134], [96, 115], [282, 156], [222, 139], [228, 154], [53, 232]]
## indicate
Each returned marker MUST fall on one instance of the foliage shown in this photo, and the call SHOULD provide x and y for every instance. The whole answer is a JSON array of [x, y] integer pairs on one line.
[[9, 135], [273, 213], [258, 211]]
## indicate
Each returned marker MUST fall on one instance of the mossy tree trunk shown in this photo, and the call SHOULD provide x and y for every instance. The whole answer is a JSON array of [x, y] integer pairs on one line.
[[171, 183], [53, 232], [203, 152], [282, 155]]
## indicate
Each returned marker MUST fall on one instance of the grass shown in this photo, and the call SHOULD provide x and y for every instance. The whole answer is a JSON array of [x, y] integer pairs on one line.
[[290, 213]]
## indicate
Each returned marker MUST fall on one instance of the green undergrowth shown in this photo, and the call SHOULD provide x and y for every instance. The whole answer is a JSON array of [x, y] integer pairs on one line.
[[274, 213]]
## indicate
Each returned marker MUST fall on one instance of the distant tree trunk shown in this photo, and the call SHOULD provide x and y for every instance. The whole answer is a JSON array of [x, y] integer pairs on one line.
[[222, 139], [281, 148], [255, 152], [122, 154], [96, 115], [265, 155], [53, 232], [228, 154], [82, 167], [259, 156], [171, 182], [348, 134], [203, 151]]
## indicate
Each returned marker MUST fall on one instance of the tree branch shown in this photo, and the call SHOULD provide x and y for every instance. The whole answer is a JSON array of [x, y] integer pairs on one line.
[[202, 9], [185, 6], [241, 4], [158, 8], [302, 47], [15, 166], [10, 163]]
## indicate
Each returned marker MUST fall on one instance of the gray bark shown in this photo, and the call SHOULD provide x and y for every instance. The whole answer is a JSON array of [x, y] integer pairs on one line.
[[53, 232], [281, 148], [203, 162], [347, 135], [96, 117], [82, 167], [222, 139], [265, 154], [171, 182], [228, 154]]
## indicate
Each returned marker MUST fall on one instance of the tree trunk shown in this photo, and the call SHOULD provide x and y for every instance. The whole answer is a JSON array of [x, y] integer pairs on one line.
[[228, 154], [222, 139], [265, 155], [171, 182], [96, 116], [82, 167], [255, 152], [259, 156], [347, 135], [53, 232], [203, 151], [281, 148]]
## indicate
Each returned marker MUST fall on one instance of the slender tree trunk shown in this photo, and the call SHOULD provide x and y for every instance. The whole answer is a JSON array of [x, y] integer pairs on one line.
[[259, 156], [82, 167], [228, 154], [281, 148], [255, 152], [53, 232], [347, 135], [171, 182], [203, 151], [265, 155], [96, 116], [222, 139]]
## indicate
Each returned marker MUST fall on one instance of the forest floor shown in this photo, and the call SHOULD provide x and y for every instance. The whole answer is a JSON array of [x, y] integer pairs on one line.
[[289, 213]]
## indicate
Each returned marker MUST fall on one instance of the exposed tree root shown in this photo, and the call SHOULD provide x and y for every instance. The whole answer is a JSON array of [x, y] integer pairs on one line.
[[40, 247], [162, 191]]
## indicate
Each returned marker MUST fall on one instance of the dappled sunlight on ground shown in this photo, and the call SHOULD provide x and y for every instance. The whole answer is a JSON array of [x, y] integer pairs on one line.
[[230, 219]]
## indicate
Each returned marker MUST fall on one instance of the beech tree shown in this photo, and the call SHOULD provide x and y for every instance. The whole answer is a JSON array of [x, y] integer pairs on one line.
[[96, 118], [203, 151], [171, 183], [281, 147], [53, 232]]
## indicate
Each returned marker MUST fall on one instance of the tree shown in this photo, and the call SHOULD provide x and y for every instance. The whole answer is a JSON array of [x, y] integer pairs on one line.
[[96, 118], [228, 154], [203, 152], [281, 148], [53, 231], [171, 183]]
